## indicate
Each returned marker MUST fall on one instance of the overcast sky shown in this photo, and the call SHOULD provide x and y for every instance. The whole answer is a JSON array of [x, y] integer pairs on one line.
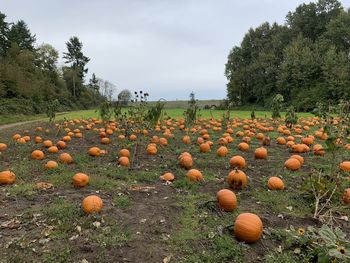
[[166, 47]]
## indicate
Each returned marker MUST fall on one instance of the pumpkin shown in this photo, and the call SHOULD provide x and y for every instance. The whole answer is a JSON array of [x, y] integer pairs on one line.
[[222, 151], [38, 139], [26, 138], [38, 155], [237, 179], [292, 164], [318, 150], [47, 143], [227, 200], [124, 152], [94, 151], [275, 183], [66, 158], [66, 138], [105, 140], [243, 146], [16, 137], [248, 227], [299, 158], [163, 141], [51, 165], [7, 177], [3, 147], [124, 161], [345, 166], [346, 196], [194, 175], [186, 139], [167, 177], [80, 180], [151, 150], [260, 153], [53, 149], [21, 141], [281, 140], [92, 204], [133, 137], [61, 144], [204, 147], [186, 161], [237, 161]]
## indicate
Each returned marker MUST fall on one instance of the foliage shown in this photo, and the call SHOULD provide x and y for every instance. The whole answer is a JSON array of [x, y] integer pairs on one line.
[[252, 114], [154, 114], [305, 60], [291, 117], [192, 112], [316, 245], [276, 106], [51, 110], [124, 97]]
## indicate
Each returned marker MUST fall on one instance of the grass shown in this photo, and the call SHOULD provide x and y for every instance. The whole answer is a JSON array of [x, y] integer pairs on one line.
[[173, 112]]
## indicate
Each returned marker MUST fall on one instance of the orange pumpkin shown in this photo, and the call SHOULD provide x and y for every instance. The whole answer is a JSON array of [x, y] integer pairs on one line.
[[260, 153], [186, 139], [275, 183], [194, 175], [237, 161], [7, 177], [47, 143], [92, 204], [38, 155], [66, 158], [94, 151], [299, 158], [61, 144], [346, 196], [248, 227], [167, 177], [80, 180], [105, 140], [237, 179], [3, 147], [243, 146], [204, 147], [186, 161], [292, 164], [227, 200], [124, 161], [151, 150], [222, 151], [51, 165], [124, 152], [53, 149], [345, 166]]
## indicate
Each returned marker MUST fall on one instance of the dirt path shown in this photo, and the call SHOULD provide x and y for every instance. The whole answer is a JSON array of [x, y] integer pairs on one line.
[[6, 126]]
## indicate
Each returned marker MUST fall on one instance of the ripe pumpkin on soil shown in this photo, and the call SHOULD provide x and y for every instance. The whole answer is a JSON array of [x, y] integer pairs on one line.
[[3, 147], [7, 177], [222, 151], [80, 180], [275, 183], [167, 177], [151, 150], [299, 158], [346, 196], [204, 147], [51, 165], [124, 161], [237, 179], [227, 200], [260, 153], [243, 146], [66, 158], [124, 152], [92, 204], [52, 149], [194, 175], [237, 161], [38, 155], [345, 166], [248, 227], [47, 143], [94, 151], [292, 164]]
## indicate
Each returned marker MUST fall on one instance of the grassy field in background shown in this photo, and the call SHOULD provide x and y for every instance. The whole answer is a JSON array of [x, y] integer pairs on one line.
[[175, 113]]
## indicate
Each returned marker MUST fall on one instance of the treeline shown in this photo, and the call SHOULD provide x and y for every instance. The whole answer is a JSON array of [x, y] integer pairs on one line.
[[306, 60], [30, 77]]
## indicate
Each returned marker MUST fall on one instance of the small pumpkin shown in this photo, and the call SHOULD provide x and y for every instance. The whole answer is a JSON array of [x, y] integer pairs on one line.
[[299, 158], [124, 152], [237, 179], [227, 200], [151, 150], [186, 139], [345, 166], [3, 147], [92, 204], [346, 196], [260, 153], [66, 158], [243, 146], [167, 177], [94, 151], [38, 155], [47, 143], [194, 175], [7, 177], [80, 180], [52, 149], [186, 162], [222, 151], [204, 147], [275, 183], [248, 227], [292, 164], [124, 161], [237, 161], [51, 165]]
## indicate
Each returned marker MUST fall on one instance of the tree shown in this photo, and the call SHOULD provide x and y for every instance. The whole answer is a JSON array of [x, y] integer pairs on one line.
[[106, 88], [93, 84], [124, 96], [338, 31], [20, 34], [47, 57], [4, 28]]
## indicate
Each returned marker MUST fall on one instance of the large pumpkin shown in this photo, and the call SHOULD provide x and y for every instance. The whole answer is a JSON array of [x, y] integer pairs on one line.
[[66, 158], [227, 200], [237, 161], [292, 164], [260, 153], [38, 155], [275, 183], [51, 165], [346, 196], [222, 151], [94, 151], [345, 166], [92, 204], [7, 177], [194, 175], [248, 227]]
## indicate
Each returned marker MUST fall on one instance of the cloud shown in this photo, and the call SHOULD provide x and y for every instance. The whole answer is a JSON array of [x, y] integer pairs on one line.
[[168, 48]]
